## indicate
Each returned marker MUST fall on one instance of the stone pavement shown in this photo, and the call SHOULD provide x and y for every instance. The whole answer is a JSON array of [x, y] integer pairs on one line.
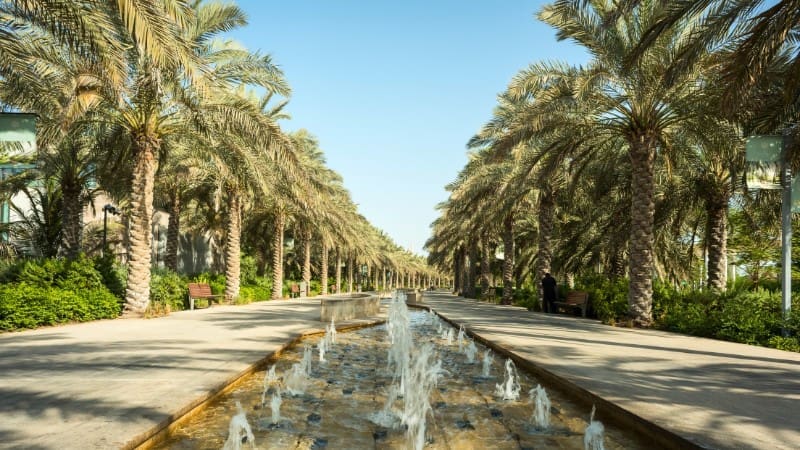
[[713, 393], [106, 384]]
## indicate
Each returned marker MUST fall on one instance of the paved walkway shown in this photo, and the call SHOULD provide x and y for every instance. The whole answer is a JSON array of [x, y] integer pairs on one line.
[[102, 384], [714, 393]]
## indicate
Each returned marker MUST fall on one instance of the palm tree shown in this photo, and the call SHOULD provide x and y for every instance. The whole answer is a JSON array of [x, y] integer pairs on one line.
[[635, 104]]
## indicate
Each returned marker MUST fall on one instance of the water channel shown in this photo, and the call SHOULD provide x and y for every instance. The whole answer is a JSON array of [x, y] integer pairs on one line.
[[443, 392]]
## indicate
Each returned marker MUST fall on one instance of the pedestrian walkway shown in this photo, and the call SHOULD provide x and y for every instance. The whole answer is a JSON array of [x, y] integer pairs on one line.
[[716, 394], [106, 384]]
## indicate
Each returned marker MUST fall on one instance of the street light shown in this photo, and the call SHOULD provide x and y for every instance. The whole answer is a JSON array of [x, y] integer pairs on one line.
[[107, 209]]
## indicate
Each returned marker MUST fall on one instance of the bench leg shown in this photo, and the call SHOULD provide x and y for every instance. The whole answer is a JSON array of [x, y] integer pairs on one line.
[[191, 304]]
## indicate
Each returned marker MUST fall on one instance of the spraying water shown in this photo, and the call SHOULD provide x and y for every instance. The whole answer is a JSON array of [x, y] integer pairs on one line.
[[305, 363], [401, 340], [330, 332], [270, 377], [275, 405], [593, 436], [450, 336], [321, 348], [470, 351], [541, 408], [296, 380], [423, 376], [239, 431], [461, 336], [488, 359], [510, 388]]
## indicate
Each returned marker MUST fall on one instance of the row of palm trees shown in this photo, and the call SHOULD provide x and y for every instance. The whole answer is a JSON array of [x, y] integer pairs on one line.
[[148, 100], [628, 164]]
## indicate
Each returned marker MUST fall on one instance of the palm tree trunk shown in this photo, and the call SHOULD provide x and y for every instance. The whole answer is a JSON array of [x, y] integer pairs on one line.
[[544, 254], [338, 271], [137, 293], [457, 264], [232, 245], [640, 293], [71, 217], [486, 271], [307, 262], [350, 262], [277, 257], [375, 279], [508, 259], [473, 270], [717, 245], [323, 271], [173, 233], [383, 285]]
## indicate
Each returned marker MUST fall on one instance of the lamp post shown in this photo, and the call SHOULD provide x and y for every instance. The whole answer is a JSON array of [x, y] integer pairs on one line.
[[107, 209]]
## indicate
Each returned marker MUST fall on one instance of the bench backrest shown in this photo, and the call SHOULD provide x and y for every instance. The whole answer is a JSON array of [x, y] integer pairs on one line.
[[577, 297], [199, 290], [295, 288]]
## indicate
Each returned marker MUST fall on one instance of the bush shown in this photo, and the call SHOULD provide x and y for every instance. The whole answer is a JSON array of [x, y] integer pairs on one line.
[[752, 317], [114, 275], [168, 290], [27, 306], [248, 294], [608, 298]]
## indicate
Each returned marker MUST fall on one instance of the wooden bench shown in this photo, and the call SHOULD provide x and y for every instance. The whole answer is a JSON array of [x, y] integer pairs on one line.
[[575, 299], [201, 290]]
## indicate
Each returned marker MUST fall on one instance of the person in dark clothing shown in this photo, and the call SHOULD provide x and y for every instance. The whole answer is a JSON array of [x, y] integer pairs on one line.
[[549, 291]]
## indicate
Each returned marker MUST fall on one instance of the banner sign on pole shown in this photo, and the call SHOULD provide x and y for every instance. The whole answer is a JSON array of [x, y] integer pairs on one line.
[[19, 127], [763, 155]]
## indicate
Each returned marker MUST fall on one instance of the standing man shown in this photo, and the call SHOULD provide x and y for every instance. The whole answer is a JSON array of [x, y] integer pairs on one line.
[[549, 291]]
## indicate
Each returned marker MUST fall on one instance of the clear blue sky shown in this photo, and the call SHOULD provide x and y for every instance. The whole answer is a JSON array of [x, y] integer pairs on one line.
[[395, 89]]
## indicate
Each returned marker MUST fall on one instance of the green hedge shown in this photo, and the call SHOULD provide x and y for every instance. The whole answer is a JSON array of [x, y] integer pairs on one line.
[[746, 314], [26, 306]]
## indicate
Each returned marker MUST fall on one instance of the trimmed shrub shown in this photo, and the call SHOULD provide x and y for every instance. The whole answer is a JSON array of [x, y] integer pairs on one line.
[[249, 294], [168, 291], [26, 306]]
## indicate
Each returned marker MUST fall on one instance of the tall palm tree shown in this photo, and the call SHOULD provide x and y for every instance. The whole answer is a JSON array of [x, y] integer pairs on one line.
[[636, 104]]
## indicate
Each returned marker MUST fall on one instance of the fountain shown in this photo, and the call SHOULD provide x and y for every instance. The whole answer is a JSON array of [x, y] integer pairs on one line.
[[488, 359], [330, 331], [305, 364], [275, 406], [541, 408], [270, 377], [321, 349], [470, 350], [593, 437], [510, 388], [424, 374], [386, 389], [460, 338], [239, 431], [296, 380], [449, 336]]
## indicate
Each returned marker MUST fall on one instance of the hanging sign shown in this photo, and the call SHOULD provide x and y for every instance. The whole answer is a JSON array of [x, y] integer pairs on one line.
[[17, 127], [763, 155]]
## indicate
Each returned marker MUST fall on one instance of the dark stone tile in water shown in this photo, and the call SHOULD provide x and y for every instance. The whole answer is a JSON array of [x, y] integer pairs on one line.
[[464, 425], [314, 418], [380, 384], [442, 389], [332, 381], [256, 407], [440, 405], [496, 413], [347, 391], [319, 443], [380, 434]]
